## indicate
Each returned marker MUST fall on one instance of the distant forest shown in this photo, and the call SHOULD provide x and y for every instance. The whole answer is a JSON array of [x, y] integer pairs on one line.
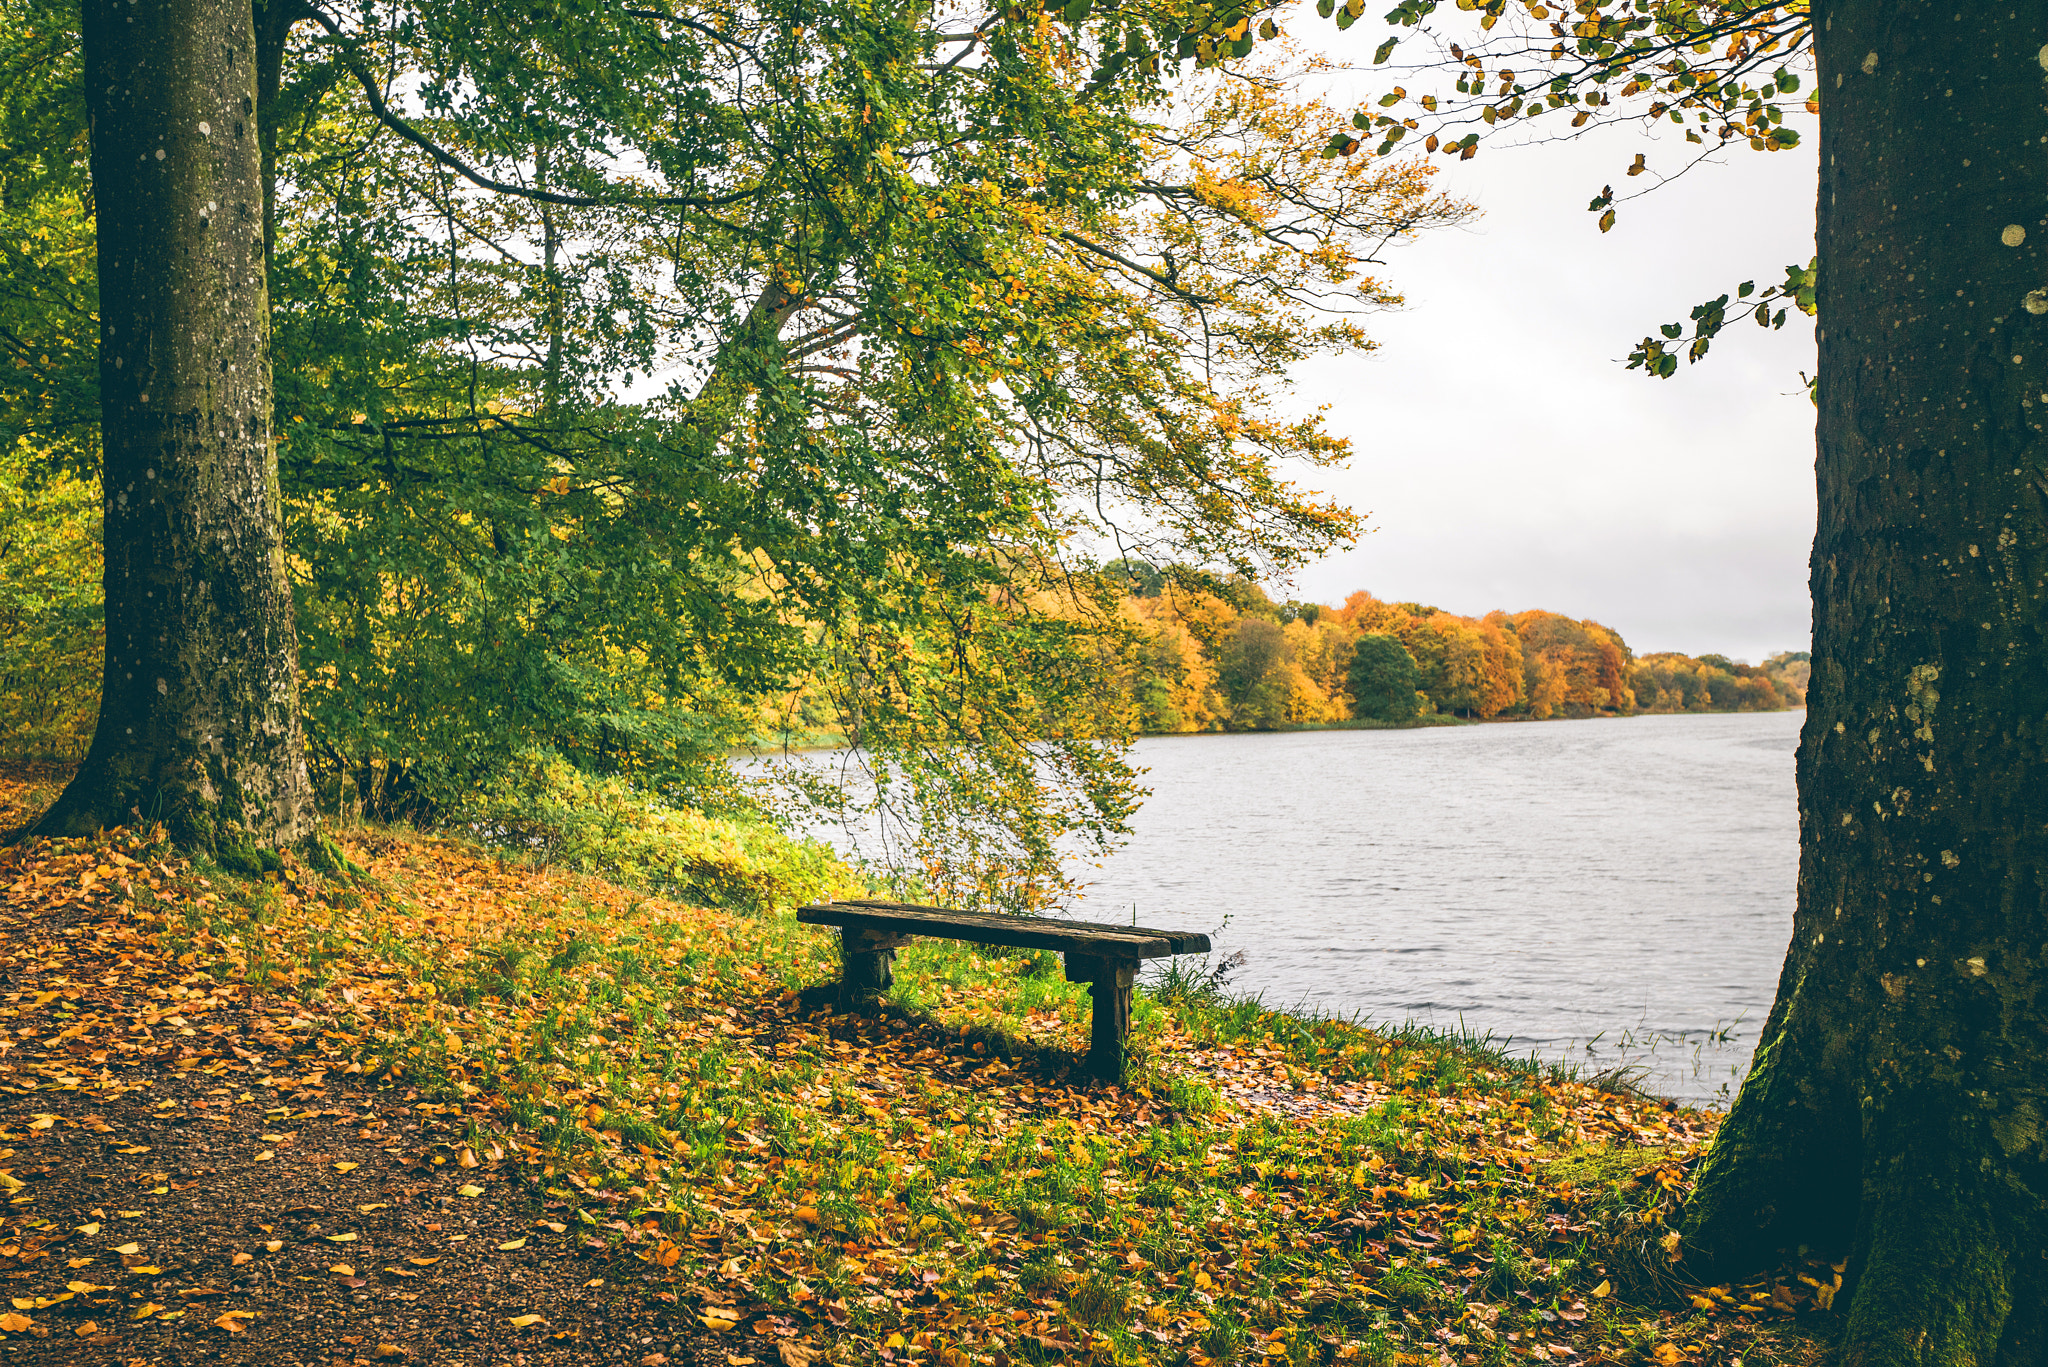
[[1208, 653]]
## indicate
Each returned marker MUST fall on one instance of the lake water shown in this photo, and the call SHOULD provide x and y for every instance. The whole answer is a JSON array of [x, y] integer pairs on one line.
[[1605, 891]]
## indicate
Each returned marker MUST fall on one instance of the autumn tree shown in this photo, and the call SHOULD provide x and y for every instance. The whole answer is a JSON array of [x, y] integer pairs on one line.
[[1895, 1109], [199, 703], [944, 288], [1896, 1105]]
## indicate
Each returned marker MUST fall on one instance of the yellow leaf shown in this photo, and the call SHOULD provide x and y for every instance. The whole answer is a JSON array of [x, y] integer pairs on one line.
[[83, 1288], [150, 1271], [423, 1262], [718, 1321], [272, 1245], [126, 1249], [265, 1156], [346, 1167], [471, 1190], [86, 1330], [526, 1321], [232, 1320], [15, 1324], [341, 1238], [1604, 1290], [92, 1228], [895, 1341], [143, 1312], [24, 1303], [516, 1243], [342, 1270]]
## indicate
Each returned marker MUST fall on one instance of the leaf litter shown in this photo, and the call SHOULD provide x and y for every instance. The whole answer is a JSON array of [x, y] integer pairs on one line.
[[547, 1118]]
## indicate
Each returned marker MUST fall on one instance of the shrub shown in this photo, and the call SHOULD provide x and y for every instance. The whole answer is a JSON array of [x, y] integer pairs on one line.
[[610, 827]]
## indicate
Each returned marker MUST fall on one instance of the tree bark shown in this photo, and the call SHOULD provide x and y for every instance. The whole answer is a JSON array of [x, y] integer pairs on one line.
[[1898, 1107], [199, 710]]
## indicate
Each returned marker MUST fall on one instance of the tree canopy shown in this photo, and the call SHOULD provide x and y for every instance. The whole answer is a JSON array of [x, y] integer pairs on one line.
[[647, 375]]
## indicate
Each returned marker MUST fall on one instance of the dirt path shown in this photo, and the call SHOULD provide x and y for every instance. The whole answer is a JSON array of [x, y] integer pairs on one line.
[[194, 1177]]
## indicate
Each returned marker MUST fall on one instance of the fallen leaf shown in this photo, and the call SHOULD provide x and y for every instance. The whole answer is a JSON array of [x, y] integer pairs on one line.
[[265, 1156], [717, 1322], [390, 1350], [423, 1262], [129, 1248], [272, 1245], [241, 1257], [92, 1228], [553, 1227], [232, 1320], [340, 1238], [795, 1354], [24, 1303], [516, 1243], [86, 1330], [346, 1167], [15, 1324], [144, 1311], [526, 1321], [342, 1270], [84, 1288], [129, 1214], [1603, 1290], [470, 1190]]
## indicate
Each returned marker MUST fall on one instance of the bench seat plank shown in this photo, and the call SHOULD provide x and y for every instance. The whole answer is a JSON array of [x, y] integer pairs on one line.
[[1092, 938]]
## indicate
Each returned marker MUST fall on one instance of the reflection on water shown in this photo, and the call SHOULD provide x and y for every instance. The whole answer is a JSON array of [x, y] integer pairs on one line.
[[1608, 891]]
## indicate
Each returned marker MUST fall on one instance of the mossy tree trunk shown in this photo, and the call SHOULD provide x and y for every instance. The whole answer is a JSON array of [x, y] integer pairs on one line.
[[199, 711], [1898, 1110]]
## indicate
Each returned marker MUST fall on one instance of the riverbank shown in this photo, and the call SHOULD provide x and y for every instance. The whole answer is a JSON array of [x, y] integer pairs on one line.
[[471, 1110]]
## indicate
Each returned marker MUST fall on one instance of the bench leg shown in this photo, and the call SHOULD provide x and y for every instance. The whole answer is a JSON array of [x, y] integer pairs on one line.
[[1109, 984], [868, 966]]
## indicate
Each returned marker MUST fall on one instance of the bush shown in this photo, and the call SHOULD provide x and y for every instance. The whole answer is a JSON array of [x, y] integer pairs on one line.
[[50, 619], [610, 827]]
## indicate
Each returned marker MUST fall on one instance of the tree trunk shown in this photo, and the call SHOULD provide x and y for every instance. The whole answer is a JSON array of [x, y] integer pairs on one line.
[[199, 709], [1898, 1108]]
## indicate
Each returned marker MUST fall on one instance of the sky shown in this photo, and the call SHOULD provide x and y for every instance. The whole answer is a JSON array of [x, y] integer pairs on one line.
[[1507, 457]]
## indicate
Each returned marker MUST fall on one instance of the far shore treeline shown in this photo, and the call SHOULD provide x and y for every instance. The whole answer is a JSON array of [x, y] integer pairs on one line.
[[1215, 654]]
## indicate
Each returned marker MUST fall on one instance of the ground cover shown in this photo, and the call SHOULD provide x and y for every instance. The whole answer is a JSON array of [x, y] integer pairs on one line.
[[463, 1109]]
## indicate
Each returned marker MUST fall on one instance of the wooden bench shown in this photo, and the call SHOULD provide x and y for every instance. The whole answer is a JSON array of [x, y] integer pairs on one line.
[[1103, 956]]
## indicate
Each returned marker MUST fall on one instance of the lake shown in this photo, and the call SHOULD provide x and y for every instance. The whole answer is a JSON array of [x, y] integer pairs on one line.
[[1608, 891]]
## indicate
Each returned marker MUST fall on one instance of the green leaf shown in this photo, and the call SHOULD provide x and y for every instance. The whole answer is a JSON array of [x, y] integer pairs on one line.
[[1384, 51]]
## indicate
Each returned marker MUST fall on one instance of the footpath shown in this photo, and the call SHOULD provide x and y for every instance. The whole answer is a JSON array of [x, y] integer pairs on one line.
[[466, 1111]]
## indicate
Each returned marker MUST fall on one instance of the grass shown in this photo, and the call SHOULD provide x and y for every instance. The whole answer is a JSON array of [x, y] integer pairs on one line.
[[936, 1183]]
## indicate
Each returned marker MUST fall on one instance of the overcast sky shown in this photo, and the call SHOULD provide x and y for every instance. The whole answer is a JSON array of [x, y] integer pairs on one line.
[[1507, 457]]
